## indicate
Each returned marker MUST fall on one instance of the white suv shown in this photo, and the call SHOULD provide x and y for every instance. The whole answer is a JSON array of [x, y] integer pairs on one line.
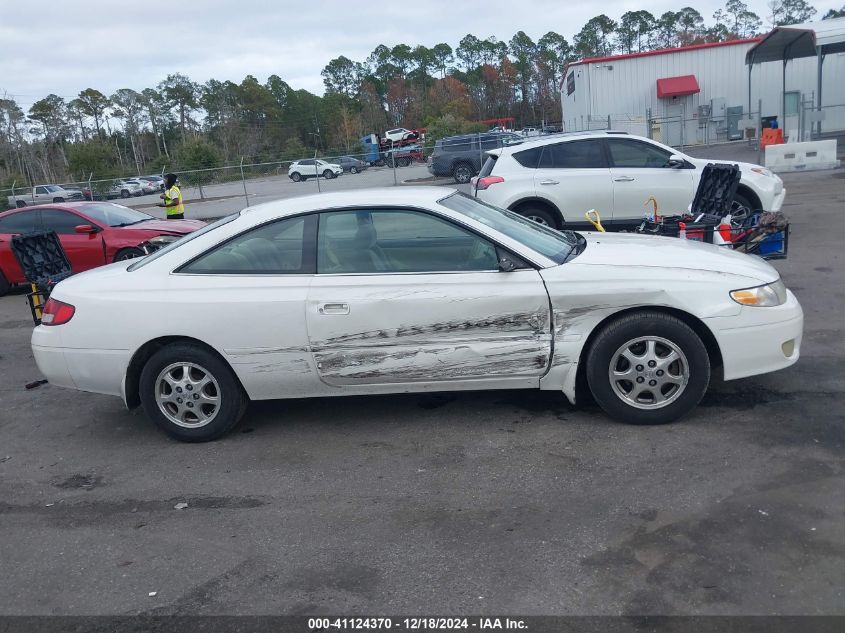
[[313, 168], [557, 179]]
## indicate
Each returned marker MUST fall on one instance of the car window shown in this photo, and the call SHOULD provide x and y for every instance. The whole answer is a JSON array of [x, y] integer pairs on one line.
[[528, 157], [20, 222], [278, 248], [309, 161], [40, 190], [62, 222], [143, 261], [629, 153], [573, 155], [398, 241]]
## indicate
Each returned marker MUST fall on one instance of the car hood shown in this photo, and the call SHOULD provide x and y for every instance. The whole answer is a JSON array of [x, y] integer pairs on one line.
[[177, 227], [627, 249]]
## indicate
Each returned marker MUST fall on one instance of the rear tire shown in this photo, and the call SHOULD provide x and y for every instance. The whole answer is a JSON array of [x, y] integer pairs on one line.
[[647, 368], [353, 170], [295, 176], [20, 204], [463, 173], [540, 216], [124, 193], [217, 401]]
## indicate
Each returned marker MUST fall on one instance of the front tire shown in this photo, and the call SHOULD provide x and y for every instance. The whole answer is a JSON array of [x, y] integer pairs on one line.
[[58, 200], [5, 286], [190, 393], [741, 207], [328, 174], [648, 368], [462, 173], [128, 253]]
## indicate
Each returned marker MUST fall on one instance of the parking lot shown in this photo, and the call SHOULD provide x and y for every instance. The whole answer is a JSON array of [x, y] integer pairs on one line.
[[465, 503]]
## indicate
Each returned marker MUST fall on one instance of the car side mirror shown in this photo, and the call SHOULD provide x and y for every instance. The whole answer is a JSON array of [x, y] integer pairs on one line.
[[506, 264], [85, 229], [676, 162]]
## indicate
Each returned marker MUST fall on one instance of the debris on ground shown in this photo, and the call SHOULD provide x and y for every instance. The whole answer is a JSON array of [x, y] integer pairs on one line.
[[180, 506], [35, 383], [153, 594]]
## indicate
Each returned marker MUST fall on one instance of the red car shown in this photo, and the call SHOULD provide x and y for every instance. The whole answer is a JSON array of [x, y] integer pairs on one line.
[[91, 233]]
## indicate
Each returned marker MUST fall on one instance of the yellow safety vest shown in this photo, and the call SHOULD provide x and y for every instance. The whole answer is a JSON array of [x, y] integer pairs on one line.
[[169, 196]]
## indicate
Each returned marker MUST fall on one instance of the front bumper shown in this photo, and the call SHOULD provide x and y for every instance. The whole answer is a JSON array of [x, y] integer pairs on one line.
[[759, 340]]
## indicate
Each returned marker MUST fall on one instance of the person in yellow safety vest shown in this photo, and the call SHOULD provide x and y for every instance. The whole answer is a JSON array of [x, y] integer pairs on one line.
[[172, 197]]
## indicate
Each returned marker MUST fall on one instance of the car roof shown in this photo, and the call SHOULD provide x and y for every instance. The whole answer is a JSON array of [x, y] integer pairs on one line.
[[402, 196], [561, 136], [67, 206]]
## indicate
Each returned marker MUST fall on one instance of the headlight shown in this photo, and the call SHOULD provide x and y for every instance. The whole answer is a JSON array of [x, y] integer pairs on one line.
[[161, 240], [767, 296], [762, 171]]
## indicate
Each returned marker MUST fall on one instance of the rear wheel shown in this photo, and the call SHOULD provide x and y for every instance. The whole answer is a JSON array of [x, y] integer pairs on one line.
[[295, 176], [462, 173], [20, 204], [124, 193], [540, 216], [190, 393], [648, 368], [128, 253], [353, 170]]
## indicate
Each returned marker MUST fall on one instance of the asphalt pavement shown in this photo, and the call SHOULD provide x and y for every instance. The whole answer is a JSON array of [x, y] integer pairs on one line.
[[468, 503]]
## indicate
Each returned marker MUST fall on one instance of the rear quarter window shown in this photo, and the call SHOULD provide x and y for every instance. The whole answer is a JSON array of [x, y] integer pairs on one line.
[[528, 157]]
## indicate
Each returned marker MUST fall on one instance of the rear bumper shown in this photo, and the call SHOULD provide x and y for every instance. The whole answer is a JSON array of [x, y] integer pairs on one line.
[[95, 370], [760, 340]]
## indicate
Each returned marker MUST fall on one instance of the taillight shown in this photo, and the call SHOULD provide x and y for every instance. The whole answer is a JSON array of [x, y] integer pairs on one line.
[[56, 312], [485, 182]]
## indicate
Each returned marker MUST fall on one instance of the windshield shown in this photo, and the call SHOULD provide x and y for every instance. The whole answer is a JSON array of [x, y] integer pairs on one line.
[[184, 240], [53, 188], [112, 214], [556, 245]]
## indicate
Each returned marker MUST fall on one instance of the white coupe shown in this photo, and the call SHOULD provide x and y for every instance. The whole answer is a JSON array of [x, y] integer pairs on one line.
[[410, 290]]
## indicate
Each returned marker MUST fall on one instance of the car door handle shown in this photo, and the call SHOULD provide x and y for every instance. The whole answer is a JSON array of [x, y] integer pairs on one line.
[[549, 182], [624, 179], [333, 308]]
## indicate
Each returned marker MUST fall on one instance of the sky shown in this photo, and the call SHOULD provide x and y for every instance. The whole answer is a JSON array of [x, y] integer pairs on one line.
[[64, 46]]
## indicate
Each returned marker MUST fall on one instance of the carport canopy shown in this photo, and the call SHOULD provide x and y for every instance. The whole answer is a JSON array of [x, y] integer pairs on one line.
[[810, 39]]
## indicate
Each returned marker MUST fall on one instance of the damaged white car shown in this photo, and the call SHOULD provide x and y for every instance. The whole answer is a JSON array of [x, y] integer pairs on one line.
[[410, 290]]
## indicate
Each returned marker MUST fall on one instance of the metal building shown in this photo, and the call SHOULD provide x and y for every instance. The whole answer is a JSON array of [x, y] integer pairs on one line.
[[704, 93]]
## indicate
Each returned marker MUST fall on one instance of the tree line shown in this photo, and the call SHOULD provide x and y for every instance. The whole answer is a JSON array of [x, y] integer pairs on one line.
[[182, 124]]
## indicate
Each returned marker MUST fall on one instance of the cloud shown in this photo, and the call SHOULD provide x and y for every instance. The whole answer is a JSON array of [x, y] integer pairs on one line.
[[64, 47]]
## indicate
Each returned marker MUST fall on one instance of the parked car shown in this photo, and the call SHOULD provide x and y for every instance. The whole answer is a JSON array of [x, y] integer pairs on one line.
[[45, 193], [91, 233], [461, 156], [351, 164], [313, 168], [147, 187], [396, 134], [530, 131], [363, 306], [157, 181], [556, 180], [124, 189]]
